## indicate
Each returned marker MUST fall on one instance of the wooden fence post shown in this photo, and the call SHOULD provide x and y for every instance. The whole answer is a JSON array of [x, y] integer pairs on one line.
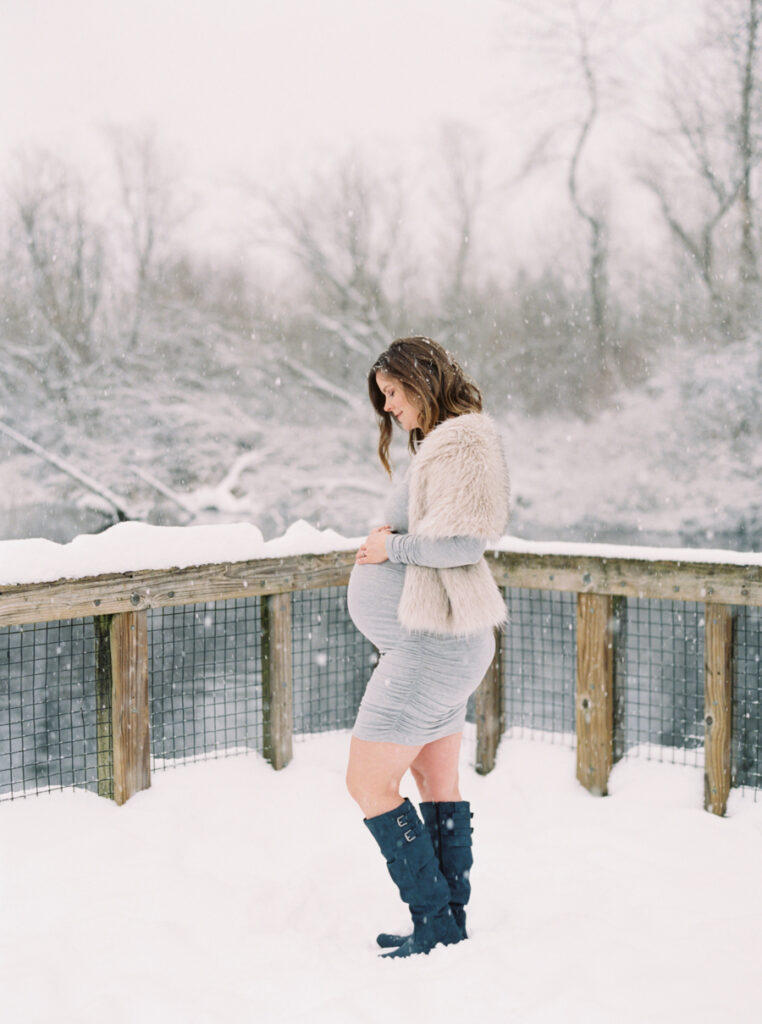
[[718, 687], [131, 729], [277, 687], [595, 691], [103, 699], [121, 704], [619, 641], [489, 712]]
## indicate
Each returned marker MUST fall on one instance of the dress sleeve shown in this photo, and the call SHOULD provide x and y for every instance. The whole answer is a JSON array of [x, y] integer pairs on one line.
[[443, 553]]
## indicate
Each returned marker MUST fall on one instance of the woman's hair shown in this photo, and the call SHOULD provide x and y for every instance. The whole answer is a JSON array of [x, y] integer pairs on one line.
[[432, 380]]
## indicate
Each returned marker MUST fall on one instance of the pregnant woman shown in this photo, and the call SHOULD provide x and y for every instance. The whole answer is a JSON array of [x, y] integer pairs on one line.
[[421, 592]]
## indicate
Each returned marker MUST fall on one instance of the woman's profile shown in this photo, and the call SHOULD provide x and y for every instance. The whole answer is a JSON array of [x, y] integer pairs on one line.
[[421, 591]]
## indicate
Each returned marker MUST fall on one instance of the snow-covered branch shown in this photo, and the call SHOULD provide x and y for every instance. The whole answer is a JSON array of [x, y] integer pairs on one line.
[[121, 506]]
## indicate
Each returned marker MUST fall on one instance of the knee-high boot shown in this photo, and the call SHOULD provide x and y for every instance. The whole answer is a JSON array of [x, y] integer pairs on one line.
[[414, 867], [456, 855], [449, 826]]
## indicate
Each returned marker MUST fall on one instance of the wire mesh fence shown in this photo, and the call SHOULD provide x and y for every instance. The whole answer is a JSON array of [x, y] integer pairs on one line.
[[205, 687], [660, 680], [659, 673], [48, 735], [538, 652], [205, 681], [747, 699], [332, 661], [206, 695], [205, 684]]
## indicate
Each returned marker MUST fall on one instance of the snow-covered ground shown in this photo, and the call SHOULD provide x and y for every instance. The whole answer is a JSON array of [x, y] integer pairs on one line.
[[230, 893]]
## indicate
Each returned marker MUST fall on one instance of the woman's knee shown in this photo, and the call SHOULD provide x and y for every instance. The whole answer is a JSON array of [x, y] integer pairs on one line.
[[437, 776], [374, 772], [366, 785], [421, 781]]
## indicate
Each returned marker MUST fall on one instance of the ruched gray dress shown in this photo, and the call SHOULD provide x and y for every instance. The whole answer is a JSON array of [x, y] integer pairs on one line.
[[421, 684]]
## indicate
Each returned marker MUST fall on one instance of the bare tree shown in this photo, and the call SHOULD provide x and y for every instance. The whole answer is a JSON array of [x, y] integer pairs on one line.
[[148, 195], [63, 248], [711, 139], [748, 128], [344, 233], [590, 211], [580, 41], [463, 160]]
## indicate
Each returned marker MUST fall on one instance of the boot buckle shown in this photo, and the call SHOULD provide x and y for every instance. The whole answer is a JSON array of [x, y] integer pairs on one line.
[[401, 821], [410, 835]]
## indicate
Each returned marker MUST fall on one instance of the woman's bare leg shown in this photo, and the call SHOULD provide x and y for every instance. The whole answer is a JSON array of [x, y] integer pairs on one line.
[[374, 774], [436, 767]]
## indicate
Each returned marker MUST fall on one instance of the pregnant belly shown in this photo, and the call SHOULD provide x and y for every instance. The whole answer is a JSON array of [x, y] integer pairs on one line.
[[373, 596]]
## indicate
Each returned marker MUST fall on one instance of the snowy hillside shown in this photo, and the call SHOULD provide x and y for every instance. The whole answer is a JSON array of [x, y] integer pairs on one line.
[[675, 462]]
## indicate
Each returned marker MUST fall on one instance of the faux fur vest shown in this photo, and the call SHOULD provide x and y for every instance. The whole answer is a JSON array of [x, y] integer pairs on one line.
[[458, 487]]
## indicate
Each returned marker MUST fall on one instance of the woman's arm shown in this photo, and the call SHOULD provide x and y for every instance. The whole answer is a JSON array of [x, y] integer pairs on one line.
[[444, 553]]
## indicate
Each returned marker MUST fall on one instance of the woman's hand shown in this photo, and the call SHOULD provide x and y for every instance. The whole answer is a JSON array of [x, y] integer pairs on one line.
[[373, 551]]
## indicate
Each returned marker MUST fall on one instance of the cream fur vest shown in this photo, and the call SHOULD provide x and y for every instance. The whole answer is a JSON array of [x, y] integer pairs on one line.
[[458, 487]]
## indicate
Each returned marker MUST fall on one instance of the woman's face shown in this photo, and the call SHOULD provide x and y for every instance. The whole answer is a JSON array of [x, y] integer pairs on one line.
[[405, 411]]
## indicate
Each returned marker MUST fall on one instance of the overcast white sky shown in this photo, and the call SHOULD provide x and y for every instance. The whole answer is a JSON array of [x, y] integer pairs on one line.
[[235, 82], [249, 90]]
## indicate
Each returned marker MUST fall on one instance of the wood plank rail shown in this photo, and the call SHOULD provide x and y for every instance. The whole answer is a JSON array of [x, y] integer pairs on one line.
[[630, 577], [119, 602], [112, 593]]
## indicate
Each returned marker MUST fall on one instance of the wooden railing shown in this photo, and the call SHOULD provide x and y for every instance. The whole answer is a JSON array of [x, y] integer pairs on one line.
[[601, 584], [119, 605]]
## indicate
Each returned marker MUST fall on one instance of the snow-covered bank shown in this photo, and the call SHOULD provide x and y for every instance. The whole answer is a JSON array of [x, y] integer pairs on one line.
[[130, 547], [231, 893]]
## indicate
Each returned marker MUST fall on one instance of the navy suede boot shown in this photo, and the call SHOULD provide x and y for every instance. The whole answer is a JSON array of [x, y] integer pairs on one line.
[[455, 855], [388, 940], [413, 866], [449, 825]]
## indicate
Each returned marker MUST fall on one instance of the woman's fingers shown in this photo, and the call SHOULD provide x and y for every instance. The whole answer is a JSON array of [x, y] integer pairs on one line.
[[374, 548]]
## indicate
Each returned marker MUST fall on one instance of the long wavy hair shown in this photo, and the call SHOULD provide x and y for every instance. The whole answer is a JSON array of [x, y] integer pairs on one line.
[[431, 379]]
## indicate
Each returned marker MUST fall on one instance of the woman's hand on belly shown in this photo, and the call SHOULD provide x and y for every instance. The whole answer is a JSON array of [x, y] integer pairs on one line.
[[373, 551]]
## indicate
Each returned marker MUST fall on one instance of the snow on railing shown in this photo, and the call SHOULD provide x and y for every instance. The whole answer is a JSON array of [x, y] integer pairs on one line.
[[133, 546]]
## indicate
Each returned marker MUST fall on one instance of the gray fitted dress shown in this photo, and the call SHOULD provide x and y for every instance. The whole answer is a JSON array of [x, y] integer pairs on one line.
[[421, 684]]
